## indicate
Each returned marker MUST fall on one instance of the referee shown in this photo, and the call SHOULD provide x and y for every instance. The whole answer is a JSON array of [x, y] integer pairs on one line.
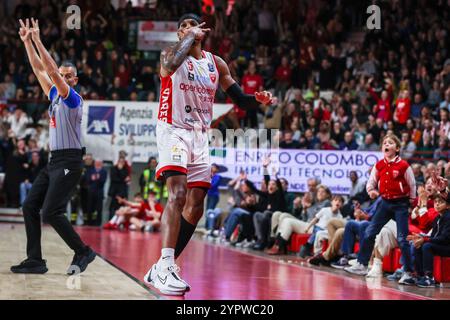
[[55, 183]]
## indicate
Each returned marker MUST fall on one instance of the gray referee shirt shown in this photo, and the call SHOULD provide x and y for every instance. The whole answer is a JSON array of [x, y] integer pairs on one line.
[[65, 120]]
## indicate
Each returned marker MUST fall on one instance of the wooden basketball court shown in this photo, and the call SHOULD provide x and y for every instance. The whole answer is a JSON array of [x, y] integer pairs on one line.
[[215, 272]]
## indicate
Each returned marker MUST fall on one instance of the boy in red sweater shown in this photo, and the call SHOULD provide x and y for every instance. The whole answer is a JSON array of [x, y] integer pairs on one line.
[[397, 187]]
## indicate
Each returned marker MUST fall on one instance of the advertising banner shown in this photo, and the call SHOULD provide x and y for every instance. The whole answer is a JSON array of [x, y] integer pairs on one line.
[[297, 166]]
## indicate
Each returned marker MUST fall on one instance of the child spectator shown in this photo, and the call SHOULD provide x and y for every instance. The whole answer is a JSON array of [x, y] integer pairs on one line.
[[397, 186], [320, 221]]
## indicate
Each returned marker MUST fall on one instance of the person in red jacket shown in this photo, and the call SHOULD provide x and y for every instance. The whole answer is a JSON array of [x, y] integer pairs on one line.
[[383, 104], [423, 213], [283, 76], [127, 210], [252, 82], [402, 109], [149, 215], [396, 185]]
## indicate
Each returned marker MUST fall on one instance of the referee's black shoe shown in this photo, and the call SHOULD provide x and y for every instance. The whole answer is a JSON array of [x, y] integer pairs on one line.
[[81, 261], [30, 266]]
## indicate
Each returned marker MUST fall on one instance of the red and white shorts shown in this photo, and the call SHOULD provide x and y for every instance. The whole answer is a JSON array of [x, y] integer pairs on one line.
[[186, 151]]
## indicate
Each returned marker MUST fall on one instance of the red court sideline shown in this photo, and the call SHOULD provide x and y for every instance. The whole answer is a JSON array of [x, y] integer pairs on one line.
[[217, 272]]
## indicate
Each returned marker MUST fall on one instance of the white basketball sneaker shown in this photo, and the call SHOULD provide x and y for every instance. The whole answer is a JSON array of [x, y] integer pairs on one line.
[[167, 280], [151, 274], [377, 269]]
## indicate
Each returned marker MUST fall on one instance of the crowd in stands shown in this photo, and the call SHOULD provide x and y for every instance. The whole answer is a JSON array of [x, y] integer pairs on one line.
[[334, 93], [142, 213], [266, 219]]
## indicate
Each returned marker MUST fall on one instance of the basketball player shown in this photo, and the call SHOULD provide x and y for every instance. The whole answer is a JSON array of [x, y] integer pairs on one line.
[[189, 79], [53, 186]]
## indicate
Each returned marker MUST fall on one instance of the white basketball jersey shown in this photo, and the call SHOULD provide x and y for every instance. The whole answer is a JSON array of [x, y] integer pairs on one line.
[[187, 95]]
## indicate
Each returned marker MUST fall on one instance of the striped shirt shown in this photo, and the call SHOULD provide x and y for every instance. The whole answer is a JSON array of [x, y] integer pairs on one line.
[[65, 120]]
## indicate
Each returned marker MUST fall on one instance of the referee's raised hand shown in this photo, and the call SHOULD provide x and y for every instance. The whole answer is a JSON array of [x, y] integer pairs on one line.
[[25, 31], [35, 32]]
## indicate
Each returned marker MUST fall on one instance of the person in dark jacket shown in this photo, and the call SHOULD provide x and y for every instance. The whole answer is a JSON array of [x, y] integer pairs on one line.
[[437, 244], [349, 143], [288, 196], [296, 211], [96, 178], [275, 197], [16, 172], [217, 217], [120, 177], [88, 163], [34, 167], [241, 215]]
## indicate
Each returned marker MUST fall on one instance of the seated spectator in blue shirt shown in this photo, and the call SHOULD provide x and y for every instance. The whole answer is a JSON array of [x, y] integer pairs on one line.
[[349, 143], [310, 141], [213, 192], [416, 107]]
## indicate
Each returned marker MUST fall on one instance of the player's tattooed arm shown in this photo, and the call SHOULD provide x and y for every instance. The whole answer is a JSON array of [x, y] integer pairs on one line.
[[229, 85], [172, 57]]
